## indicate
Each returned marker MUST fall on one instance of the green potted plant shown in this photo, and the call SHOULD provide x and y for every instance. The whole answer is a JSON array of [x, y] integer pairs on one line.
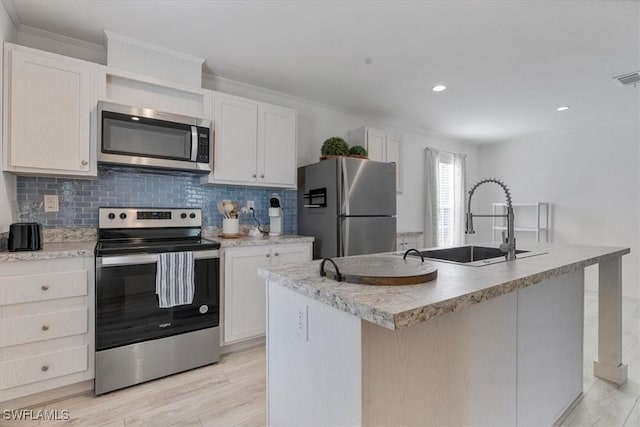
[[358, 151], [334, 147]]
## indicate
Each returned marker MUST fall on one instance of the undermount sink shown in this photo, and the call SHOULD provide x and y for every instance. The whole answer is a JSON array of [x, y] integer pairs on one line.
[[470, 255]]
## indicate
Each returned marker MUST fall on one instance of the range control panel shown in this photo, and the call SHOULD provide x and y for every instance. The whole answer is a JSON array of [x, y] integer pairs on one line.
[[149, 217]]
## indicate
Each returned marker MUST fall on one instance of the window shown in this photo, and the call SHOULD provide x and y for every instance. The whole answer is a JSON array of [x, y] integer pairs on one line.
[[445, 201], [445, 176]]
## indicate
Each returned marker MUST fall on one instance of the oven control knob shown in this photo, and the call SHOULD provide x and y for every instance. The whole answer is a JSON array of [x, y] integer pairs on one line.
[[183, 215], [123, 215], [111, 215], [192, 215], [203, 309]]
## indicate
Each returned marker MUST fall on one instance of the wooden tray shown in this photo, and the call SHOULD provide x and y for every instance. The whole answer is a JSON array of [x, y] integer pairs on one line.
[[381, 270]]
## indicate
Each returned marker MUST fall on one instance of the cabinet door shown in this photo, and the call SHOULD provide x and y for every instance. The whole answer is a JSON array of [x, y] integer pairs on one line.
[[276, 145], [244, 293], [394, 155], [50, 105], [235, 140], [376, 145], [288, 254]]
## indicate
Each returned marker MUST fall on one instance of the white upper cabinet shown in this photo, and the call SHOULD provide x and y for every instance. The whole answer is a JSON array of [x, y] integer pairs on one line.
[[375, 144], [235, 129], [254, 143], [276, 145], [380, 147], [50, 114]]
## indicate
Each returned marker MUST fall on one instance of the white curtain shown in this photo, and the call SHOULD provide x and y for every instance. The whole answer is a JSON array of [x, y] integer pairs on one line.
[[431, 163], [455, 184], [459, 196]]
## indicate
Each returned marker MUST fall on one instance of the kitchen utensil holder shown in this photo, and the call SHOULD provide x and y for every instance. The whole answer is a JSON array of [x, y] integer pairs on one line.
[[230, 226]]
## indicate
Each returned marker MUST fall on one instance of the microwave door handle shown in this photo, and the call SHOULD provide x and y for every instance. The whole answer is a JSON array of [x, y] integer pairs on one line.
[[194, 143]]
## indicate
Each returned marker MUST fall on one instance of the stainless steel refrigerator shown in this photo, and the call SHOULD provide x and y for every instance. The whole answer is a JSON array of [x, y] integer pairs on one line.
[[348, 205]]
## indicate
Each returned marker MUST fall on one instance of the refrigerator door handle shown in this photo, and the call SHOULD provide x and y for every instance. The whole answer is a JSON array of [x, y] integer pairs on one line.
[[345, 188], [344, 238]]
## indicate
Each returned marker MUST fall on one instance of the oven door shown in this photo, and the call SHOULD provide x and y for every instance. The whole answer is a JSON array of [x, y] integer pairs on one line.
[[127, 309]]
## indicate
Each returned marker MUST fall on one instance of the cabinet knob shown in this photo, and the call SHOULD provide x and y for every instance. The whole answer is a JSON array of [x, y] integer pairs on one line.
[[276, 254], [254, 175], [267, 255], [261, 176], [44, 287], [45, 327], [84, 163], [44, 368]]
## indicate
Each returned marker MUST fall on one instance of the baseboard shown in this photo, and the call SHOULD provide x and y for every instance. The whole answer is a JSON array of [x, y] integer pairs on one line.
[[39, 399], [242, 345], [569, 409]]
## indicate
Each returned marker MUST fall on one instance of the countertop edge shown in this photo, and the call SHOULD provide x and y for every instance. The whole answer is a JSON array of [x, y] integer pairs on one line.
[[407, 318]]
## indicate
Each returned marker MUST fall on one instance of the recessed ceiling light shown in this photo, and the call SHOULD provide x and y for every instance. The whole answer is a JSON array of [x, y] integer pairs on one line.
[[563, 108], [135, 118], [439, 88]]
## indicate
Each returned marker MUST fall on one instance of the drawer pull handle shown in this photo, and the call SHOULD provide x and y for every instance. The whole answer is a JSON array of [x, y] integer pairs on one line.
[[45, 287], [44, 368], [45, 327]]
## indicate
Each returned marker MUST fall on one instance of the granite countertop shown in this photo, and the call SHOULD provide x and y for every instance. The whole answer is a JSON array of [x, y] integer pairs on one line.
[[70, 249], [406, 233], [457, 286], [260, 241], [52, 251]]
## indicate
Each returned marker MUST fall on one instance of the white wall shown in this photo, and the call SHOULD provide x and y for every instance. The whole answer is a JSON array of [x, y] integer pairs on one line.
[[7, 181], [590, 176]]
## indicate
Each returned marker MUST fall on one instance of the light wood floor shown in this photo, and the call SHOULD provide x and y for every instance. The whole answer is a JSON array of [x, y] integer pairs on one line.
[[232, 392]]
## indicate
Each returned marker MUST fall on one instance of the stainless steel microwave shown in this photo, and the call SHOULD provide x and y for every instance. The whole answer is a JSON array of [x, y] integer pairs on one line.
[[147, 138]]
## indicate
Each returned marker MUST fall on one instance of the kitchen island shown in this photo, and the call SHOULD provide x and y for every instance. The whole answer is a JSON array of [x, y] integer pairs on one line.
[[499, 344]]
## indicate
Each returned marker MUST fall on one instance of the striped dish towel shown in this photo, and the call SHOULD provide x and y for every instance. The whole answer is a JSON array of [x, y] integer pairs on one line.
[[174, 279]]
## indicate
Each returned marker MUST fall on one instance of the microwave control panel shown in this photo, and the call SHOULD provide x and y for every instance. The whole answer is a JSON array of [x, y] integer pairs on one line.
[[203, 145]]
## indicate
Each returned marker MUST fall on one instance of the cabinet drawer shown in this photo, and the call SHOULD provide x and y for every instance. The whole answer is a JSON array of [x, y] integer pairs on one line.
[[20, 330], [42, 367], [40, 287]]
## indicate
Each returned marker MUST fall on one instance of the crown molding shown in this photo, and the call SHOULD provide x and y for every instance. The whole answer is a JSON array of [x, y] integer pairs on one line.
[[12, 12], [61, 38]]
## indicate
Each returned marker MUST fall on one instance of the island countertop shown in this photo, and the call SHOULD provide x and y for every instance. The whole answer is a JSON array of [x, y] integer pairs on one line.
[[457, 286]]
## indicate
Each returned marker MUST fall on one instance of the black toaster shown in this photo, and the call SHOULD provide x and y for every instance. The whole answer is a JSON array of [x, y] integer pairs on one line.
[[25, 236]]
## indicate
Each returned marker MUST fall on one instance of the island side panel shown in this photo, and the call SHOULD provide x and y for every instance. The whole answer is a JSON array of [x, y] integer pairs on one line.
[[456, 369], [314, 381], [609, 365], [550, 350]]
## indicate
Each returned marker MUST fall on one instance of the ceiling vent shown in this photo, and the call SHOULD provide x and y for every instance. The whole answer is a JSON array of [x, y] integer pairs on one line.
[[629, 79]]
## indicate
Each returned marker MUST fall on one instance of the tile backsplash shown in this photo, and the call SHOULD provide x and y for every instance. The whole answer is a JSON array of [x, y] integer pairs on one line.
[[79, 199]]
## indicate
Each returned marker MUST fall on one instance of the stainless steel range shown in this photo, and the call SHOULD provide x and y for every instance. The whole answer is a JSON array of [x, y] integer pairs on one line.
[[136, 339]]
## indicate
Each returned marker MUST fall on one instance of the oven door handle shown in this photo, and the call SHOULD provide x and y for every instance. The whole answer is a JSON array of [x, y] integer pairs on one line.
[[116, 261]]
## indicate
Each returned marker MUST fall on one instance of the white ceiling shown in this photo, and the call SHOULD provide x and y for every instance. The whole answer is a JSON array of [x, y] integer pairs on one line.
[[507, 65]]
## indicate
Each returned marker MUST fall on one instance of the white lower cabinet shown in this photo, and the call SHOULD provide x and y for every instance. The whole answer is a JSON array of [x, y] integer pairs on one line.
[[46, 325], [245, 292]]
